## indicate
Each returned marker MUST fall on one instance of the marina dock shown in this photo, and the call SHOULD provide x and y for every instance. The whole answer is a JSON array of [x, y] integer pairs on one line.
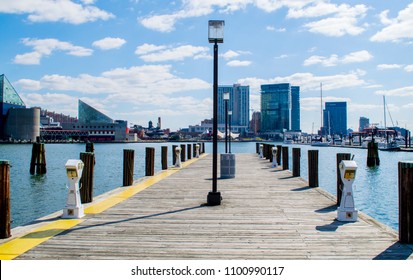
[[265, 214]]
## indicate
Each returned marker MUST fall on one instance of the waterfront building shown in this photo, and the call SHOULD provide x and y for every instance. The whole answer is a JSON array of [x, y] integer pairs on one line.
[[255, 125], [280, 108], [363, 123], [239, 103], [16, 121], [335, 118]]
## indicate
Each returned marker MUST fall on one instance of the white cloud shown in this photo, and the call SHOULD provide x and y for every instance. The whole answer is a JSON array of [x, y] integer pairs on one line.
[[404, 91], [230, 54], [333, 60], [45, 47], [408, 68], [396, 29], [109, 43], [153, 53], [272, 28], [389, 66], [56, 11], [239, 63]]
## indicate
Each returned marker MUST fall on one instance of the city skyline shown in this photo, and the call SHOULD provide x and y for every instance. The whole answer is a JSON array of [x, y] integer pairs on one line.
[[137, 60]]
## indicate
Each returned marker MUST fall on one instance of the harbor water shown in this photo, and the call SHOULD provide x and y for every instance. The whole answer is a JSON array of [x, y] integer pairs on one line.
[[35, 196]]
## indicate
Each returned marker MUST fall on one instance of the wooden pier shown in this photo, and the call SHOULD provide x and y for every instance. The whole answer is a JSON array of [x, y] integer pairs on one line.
[[266, 213]]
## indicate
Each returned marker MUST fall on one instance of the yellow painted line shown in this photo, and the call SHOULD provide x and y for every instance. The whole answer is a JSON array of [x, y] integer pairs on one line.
[[18, 246]]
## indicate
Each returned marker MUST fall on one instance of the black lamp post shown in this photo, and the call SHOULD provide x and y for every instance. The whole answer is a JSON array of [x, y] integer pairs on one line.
[[226, 98], [215, 35], [230, 131]]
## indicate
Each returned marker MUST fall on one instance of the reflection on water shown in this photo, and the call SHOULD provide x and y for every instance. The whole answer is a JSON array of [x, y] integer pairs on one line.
[[34, 196]]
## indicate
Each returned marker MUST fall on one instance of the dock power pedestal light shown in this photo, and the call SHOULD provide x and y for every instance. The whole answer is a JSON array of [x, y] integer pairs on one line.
[[346, 212], [261, 150], [178, 157], [74, 207], [274, 157]]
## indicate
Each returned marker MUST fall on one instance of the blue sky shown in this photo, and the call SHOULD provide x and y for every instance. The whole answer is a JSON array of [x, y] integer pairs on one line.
[[140, 59]]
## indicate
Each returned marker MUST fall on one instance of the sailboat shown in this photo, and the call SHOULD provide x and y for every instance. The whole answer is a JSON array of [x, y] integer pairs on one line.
[[318, 140], [385, 144]]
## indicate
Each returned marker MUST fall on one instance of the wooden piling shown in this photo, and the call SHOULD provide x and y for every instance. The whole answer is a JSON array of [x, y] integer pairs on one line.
[[279, 153], [128, 166], [373, 154], [296, 162], [340, 185], [203, 147], [285, 158], [164, 155], [257, 148], [150, 162], [38, 160], [183, 153], [194, 150], [405, 202], [313, 168], [5, 231], [174, 154], [86, 182], [189, 148], [90, 148]]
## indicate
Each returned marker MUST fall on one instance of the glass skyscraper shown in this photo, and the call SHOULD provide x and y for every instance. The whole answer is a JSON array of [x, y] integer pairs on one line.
[[335, 118], [239, 103], [280, 108]]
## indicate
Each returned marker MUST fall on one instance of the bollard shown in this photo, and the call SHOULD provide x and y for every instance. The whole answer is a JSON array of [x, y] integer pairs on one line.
[[174, 154], [86, 182], [183, 153], [274, 157], [5, 231], [296, 162], [313, 168], [189, 148], [279, 153], [150, 162], [128, 166], [285, 158], [340, 157], [178, 157], [372, 154], [164, 152], [405, 202]]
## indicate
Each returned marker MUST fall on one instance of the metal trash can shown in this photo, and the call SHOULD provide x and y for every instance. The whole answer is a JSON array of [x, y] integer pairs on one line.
[[227, 166]]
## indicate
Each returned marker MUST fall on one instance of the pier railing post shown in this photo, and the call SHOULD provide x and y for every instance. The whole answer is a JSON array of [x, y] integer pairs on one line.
[[150, 162], [164, 156], [285, 158], [183, 152], [5, 231], [405, 202], [279, 152], [128, 166], [296, 162], [339, 158], [86, 182], [313, 168]]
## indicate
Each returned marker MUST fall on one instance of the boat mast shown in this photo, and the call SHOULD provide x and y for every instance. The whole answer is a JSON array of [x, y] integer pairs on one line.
[[321, 107], [384, 111]]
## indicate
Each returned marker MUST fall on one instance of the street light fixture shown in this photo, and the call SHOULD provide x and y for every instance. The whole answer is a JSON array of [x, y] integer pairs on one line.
[[230, 131], [226, 99], [215, 35]]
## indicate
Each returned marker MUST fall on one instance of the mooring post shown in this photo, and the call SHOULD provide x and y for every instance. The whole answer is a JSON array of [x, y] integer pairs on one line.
[[164, 157], [90, 148], [128, 166], [296, 162], [285, 158], [38, 159], [339, 158], [86, 182], [5, 231], [257, 148], [405, 202], [373, 154], [313, 168], [189, 149], [183, 152]]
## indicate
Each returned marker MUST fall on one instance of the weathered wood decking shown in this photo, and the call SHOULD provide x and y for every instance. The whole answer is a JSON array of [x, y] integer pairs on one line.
[[265, 214]]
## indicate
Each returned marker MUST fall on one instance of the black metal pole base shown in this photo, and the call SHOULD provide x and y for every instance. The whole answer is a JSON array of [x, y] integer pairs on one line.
[[214, 198]]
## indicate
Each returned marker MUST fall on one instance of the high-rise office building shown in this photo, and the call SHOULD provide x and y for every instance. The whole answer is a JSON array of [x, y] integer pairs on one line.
[[239, 103], [335, 118], [363, 123], [280, 108]]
